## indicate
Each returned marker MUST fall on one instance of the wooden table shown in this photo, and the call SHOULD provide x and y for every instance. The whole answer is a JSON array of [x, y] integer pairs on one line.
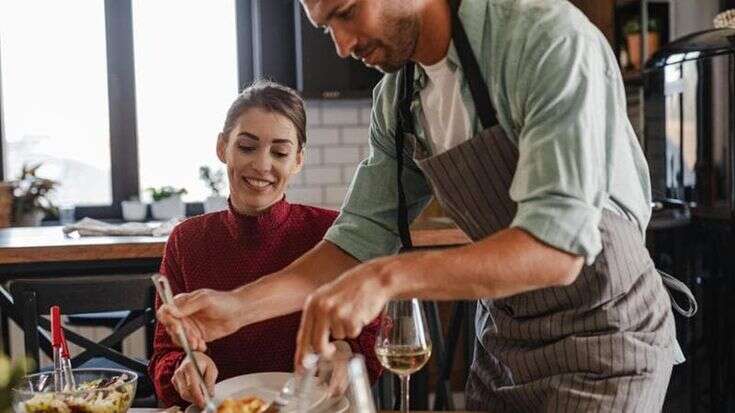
[[40, 245]]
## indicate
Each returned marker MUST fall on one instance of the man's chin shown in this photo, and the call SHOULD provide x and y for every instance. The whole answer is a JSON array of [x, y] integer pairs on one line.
[[388, 67]]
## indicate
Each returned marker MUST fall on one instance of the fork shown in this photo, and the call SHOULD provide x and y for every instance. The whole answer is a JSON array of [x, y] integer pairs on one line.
[[299, 387], [164, 292]]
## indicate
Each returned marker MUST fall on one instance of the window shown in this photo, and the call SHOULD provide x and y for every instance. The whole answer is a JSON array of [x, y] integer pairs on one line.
[[55, 97], [186, 76], [113, 103]]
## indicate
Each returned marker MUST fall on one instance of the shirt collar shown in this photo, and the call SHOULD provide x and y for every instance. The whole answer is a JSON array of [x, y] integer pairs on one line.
[[259, 225], [473, 15]]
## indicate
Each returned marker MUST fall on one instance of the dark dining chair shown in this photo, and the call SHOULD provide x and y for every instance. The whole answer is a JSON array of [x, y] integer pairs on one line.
[[34, 297]]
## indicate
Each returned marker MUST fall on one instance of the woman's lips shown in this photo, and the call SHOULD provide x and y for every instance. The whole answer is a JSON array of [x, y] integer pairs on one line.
[[257, 185]]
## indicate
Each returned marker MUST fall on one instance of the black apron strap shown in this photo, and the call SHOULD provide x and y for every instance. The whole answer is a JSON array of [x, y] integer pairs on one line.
[[404, 119], [473, 74], [404, 124]]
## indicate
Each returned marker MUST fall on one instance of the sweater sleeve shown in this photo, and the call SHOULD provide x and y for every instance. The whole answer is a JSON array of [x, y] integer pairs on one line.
[[166, 354], [365, 344]]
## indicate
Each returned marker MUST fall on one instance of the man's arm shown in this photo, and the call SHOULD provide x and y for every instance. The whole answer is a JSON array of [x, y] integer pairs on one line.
[[509, 262], [284, 292]]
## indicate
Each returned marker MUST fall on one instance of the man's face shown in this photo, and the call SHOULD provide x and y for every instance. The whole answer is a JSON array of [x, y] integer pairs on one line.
[[381, 33]]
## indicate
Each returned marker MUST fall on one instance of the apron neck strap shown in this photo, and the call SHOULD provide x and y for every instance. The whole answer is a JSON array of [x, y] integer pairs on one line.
[[404, 124], [404, 118], [473, 74]]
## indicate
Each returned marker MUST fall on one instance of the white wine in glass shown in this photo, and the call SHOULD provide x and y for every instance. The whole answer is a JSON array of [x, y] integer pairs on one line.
[[403, 345]]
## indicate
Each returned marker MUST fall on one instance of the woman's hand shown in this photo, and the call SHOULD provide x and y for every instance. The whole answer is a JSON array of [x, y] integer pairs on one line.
[[187, 383], [205, 315]]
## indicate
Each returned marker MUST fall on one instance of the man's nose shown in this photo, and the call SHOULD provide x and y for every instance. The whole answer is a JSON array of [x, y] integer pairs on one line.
[[344, 42]]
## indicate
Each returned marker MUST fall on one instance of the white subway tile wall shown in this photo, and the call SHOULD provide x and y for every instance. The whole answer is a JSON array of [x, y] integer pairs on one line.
[[336, 142]]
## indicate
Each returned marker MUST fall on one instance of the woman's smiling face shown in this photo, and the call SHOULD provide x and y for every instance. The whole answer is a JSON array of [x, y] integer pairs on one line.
[[262, 153]]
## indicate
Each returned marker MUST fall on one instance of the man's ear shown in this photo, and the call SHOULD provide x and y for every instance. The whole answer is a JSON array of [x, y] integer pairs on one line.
[[221, 147]]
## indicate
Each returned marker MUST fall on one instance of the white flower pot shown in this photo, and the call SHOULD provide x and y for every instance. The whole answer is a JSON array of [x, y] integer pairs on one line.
[[169, 208], [214, 204], [31, 219], [134, 210]]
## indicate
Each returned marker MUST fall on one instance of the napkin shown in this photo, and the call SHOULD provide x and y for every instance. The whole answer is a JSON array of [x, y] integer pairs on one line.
[[88, 227]]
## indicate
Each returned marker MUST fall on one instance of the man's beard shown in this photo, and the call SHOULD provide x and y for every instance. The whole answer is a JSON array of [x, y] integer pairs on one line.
[[403, 33]]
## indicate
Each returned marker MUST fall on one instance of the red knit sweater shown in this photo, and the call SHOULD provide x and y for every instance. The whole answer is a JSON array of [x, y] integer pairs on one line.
[[224, 250]]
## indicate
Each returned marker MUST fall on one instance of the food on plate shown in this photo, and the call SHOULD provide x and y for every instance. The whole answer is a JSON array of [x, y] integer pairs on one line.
[[105, 395], [244, 405]]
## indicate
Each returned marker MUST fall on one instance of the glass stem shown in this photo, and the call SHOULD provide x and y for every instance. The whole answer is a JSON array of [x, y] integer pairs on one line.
[[404, 393]]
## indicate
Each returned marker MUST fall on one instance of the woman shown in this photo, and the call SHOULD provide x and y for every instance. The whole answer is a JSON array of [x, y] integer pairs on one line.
[[262, 145]]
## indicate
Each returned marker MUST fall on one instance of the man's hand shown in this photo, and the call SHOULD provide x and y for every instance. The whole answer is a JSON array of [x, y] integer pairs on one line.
[[343, 307], [338, 379], [186, 382], [205, 315]]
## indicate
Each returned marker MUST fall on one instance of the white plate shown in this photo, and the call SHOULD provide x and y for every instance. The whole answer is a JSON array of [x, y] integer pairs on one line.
[[262, 385]]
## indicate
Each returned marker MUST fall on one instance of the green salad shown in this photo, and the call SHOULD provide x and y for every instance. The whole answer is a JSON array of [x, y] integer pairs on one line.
[[111, 395]]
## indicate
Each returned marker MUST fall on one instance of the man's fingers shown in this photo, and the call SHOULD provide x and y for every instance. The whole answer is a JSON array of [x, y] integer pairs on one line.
[[319, 339], [189, 303], [338, 331], [338, 382]]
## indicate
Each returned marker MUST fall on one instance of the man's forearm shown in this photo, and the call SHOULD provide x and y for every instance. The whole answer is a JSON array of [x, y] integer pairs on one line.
[[507, 263], [284, 292]]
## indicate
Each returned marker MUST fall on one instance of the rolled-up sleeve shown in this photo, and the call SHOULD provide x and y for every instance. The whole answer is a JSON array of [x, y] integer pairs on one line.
[[366, 227], [560, 182]]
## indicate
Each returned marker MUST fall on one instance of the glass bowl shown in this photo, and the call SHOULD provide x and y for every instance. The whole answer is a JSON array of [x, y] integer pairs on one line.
[[97, 391]]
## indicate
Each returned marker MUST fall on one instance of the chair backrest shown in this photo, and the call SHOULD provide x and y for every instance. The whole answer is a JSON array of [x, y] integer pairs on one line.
[[34, 297]]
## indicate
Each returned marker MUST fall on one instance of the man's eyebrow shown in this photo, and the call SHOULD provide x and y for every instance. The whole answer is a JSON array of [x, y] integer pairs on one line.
[[329, 16]]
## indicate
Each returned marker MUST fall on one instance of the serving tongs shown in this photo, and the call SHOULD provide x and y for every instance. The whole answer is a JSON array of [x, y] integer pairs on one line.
[[164, 292], [63, 376]]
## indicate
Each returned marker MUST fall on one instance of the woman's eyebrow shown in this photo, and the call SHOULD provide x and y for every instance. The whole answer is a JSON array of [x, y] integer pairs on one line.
[[248, 135], [256, 138]]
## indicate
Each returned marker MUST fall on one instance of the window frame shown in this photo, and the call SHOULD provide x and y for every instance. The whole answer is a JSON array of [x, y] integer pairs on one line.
[[123, 143]]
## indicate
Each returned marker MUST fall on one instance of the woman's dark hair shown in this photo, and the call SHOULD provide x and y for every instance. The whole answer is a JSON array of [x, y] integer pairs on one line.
[[272, 97]]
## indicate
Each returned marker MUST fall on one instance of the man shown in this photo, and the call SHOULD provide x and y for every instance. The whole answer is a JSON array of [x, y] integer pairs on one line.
[[512, 114]]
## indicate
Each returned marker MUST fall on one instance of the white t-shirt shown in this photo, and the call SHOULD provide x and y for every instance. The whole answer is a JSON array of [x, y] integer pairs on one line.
[[445, 118]]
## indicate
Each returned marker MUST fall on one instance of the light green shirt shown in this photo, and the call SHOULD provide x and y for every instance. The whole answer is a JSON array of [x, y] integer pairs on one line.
[[559, 96]]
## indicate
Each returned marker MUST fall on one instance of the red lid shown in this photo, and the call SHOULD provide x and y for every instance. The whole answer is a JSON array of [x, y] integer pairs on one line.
[[55, 326]]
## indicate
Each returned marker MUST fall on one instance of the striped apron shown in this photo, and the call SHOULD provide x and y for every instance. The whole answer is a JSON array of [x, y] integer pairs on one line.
[[606, 342]]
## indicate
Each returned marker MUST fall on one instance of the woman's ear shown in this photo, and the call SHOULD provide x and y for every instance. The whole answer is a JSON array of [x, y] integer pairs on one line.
[[222, 147], [299, 162]]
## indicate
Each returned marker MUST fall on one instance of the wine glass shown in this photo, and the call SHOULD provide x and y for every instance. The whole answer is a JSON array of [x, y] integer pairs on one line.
[[403, 345]]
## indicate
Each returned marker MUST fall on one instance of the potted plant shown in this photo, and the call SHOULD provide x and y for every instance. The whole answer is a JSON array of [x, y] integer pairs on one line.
[[632, 32], [134, 210], [214, 181], [31, 201], [11, 374], [167, 203]]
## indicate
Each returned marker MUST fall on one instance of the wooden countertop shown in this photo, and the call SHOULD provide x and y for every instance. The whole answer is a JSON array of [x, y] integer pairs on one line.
[[49, 244]]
